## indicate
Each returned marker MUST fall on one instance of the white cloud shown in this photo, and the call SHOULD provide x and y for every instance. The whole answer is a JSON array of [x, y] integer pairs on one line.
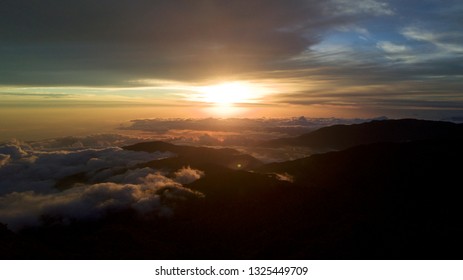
[[391, 47], [187, 175], [130, 176], [361, 30], [424, 46], [85, 202], [28, 178], [370, 7], [418, 34], [24, 169], [399, 53], [284, 177], [447, 42], [155, 193]]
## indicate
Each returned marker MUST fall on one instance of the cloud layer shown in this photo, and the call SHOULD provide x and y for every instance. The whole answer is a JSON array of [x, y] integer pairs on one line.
[[164, 39], [110, 181], [157, 37], [243, 134]]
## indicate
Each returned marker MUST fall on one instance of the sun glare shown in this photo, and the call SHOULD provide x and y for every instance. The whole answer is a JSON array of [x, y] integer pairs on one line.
[[227, 94]]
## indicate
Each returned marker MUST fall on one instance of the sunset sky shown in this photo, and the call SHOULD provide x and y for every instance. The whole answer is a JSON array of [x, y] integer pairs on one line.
[[104, 62]]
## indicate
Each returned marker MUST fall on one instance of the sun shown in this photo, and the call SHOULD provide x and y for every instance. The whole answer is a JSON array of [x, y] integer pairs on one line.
[[229, 93]]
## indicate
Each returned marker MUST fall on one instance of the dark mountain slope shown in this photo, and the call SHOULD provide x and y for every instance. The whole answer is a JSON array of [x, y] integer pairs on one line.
[[205, 159], [196, 157], [339, 137], [395, 200]]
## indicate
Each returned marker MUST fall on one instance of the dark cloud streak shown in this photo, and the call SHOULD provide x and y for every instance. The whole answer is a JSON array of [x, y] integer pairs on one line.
[[156, 38]]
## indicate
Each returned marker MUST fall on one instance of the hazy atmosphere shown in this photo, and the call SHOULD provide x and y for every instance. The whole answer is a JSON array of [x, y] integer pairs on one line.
[[264, 129]]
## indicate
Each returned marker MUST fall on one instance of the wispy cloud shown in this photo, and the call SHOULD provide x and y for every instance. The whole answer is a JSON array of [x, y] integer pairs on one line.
[[390, 47], [46, 95], [40, 170], [447, 42], [369, 7]]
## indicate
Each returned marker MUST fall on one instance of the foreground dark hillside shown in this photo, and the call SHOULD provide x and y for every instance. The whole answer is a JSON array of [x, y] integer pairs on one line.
[[386, 200], [376, 201]]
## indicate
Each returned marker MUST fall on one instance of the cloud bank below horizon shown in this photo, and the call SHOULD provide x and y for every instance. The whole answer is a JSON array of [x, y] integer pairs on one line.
[[29, 191]]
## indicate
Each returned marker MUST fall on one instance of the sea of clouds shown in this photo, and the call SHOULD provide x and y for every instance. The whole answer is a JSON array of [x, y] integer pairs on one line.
[[86, 177], [108, 179], [243, 134], [230, 131]]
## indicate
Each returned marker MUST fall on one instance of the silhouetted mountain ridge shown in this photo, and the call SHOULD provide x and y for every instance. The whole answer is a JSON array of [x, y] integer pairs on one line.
[[197, 157], [340, 137]]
